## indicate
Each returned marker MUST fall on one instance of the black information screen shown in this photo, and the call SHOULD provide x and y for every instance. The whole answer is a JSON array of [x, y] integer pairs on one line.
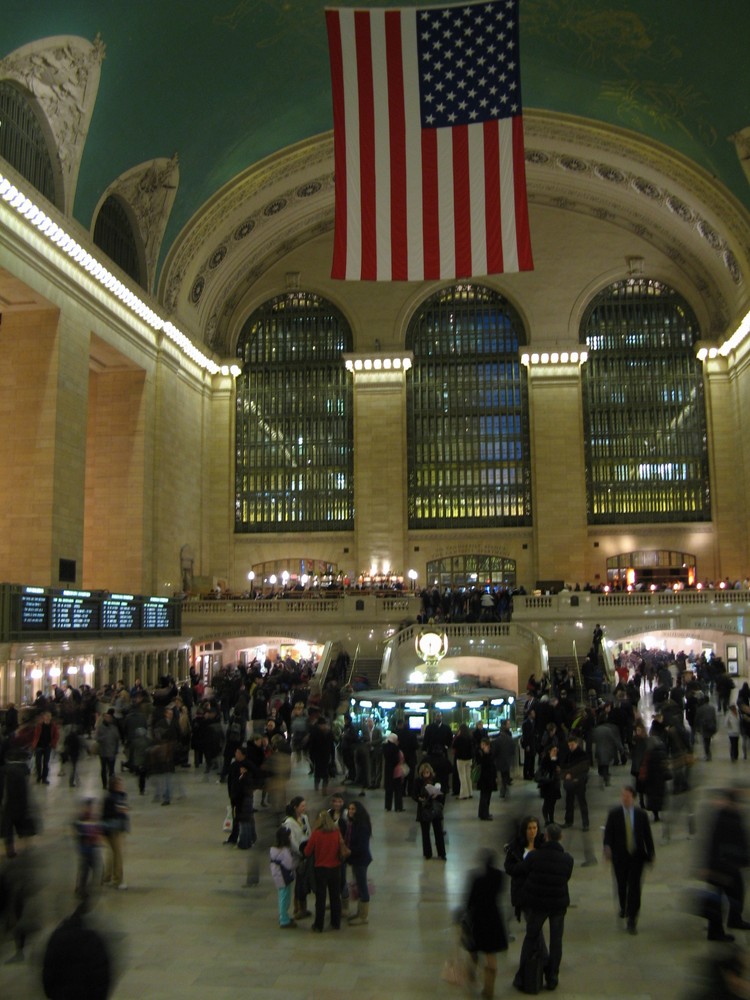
[[120, 615], [74, 614], [157, 616], [34, 612]]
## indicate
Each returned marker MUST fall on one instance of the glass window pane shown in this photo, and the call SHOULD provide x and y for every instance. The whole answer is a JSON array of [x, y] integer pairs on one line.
[[467, 412], [294, 427], [644, 411]]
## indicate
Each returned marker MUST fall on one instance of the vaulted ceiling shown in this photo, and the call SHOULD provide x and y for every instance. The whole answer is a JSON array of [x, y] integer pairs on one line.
[[226, 83]]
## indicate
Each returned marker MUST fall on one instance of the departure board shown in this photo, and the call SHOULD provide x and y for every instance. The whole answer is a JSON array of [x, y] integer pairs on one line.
[[34, 612], [74, 614], [120, 614], [157, 615]]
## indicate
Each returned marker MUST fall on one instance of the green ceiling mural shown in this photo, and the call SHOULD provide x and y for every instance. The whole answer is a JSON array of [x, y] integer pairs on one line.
[[227, 82]]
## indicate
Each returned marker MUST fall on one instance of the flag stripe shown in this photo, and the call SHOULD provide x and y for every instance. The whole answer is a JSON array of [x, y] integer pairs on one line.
[[397, 147], [507, 196], [462, 202], [368, 147], [338, 269], [492, 219], [430, 198], [444, 204]]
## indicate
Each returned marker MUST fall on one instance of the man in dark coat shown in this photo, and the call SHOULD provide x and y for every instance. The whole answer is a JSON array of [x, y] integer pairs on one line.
[[575, 772], [628, 844], [437, 736], [545, 873]]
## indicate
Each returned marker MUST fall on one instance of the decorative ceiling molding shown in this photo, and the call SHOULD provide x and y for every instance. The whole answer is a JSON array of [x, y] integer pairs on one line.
[[573, 164], [149, 190], [237, 208], [63, 74]]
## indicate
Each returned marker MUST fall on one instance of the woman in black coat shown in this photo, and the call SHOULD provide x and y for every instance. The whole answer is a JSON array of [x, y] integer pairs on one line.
[[430, 800], [483, 929], [529, 837]]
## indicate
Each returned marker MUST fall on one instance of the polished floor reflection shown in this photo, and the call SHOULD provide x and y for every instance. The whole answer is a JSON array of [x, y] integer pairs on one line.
[[191, 926]]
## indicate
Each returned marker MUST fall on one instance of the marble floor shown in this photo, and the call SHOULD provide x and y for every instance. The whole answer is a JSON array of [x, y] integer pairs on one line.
[[190, 926]]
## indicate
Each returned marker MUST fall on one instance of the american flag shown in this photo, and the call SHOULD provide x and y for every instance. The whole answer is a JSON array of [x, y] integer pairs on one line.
[[428, 142]]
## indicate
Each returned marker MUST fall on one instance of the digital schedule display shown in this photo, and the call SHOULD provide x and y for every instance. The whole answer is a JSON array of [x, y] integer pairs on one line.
[[157, 615], [120, 614], [44, 611], [74, 614], [34, 612]]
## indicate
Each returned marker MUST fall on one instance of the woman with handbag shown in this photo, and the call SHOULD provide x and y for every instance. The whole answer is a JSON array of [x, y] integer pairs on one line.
[[325, 848], [357, 839], [299, 833], [430, 802]]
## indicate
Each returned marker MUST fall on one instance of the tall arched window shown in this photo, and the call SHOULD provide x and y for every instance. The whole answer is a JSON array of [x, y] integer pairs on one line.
[[22, 140], [643, 405], [294, 429], [467, 413], [114, 233]]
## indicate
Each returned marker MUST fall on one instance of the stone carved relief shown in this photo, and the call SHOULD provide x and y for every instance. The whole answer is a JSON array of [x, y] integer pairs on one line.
[[149, 189], [63, 74]]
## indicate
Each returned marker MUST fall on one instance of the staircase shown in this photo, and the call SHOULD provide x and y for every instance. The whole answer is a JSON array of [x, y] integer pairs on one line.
[[365, 673], [556, 663]]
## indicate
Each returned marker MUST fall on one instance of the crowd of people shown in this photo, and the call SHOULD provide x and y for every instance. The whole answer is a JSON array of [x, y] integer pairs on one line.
[[258, 726]]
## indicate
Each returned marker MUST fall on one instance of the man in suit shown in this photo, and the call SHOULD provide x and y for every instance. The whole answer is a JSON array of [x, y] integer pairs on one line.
[[628, 844]]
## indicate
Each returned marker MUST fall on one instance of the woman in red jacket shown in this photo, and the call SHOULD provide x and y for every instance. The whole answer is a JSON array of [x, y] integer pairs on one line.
[[324, 847]]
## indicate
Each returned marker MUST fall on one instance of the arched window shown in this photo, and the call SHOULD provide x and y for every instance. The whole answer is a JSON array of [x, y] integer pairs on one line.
[[643, 406], [467, 413], [114, 234], [294, 429], [472, 570], [22, 140]]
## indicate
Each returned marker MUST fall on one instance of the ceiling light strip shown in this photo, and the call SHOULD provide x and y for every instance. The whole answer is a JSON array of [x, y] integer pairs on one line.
[[25, 207]]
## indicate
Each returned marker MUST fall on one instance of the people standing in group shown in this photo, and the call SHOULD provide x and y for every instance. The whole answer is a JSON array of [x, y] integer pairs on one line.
[[629, 845], [487, 782], [324, 848], [484, 929], [393, 773], [115, 824], [299, 829], [545, 872], [357, 835], [430, 800], [283, 874]]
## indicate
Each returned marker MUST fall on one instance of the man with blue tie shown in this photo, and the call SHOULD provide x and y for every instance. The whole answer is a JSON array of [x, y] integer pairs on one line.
[[628, 844]]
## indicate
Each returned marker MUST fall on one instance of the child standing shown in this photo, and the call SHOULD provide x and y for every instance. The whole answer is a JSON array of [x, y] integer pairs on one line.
[[282, 873]]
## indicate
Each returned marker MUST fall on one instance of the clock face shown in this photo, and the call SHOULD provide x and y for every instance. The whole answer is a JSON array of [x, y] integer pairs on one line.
[[430, 644]]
